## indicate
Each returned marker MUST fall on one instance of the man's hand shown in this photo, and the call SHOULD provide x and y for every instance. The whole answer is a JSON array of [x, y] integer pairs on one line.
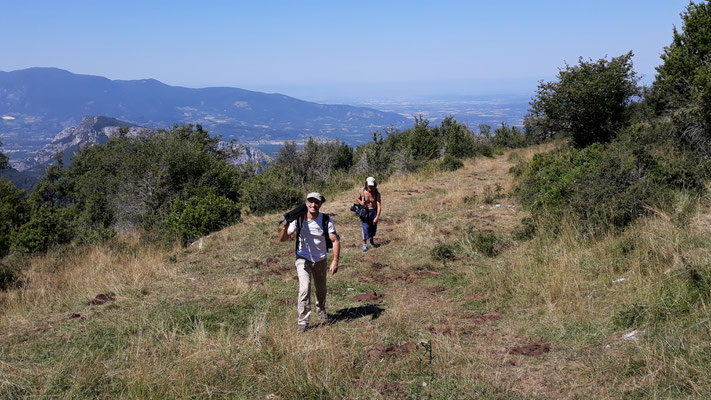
[[334, 268], [283, 233]]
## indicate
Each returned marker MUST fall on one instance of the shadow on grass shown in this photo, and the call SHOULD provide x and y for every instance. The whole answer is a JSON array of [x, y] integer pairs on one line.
[[351, 313]]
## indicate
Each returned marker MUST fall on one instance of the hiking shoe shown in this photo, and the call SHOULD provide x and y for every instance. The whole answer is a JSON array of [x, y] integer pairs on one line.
[[301, 328], [365, 247], [322, 315]]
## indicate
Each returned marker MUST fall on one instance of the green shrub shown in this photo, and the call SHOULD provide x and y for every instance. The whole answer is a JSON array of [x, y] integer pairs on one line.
[[48, 226], [608, 185], [443, 252], [14, 211], [589, 101], [422, 142], [470, 199], [200, 215], [525, 230], [94, 236], [485, 243], [508, 137], [8, 277], [269, 191], [451, 163]]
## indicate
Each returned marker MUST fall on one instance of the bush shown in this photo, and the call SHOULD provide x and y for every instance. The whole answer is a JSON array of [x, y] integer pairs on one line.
[[269, 191], [589, 101], [8, 277], [14, 212], [423, 143], [200, 215], [525, 230], [508, 137], [609, 185], [48, 226], [443, 252], [485, 243], [451, 163]]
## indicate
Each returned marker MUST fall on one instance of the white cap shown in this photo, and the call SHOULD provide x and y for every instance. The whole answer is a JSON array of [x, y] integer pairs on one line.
[[370, 181], [316, 195]]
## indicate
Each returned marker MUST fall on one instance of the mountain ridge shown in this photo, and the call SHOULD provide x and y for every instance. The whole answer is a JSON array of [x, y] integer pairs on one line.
[[37, 102]]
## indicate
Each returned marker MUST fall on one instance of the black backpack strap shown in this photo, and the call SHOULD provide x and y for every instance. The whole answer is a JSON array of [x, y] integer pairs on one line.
[[299, 223], [324, 226]]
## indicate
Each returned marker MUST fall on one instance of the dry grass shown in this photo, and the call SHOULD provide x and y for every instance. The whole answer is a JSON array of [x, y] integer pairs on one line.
[[218, 321]]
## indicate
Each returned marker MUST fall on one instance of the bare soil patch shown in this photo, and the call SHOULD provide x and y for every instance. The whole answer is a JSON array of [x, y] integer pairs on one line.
[[530, 349], [437, 290], [370, 297], [377, 265], [416, 275], [392, 350], [101, 299], [447, 329], [485, 317]]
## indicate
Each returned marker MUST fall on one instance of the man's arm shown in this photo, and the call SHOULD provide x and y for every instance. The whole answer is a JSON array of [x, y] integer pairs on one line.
[[377, 216], [283, 234], [336, 252]]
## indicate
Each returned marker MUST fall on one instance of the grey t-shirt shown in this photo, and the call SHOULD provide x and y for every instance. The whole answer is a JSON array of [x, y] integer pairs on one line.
[[312, 244]]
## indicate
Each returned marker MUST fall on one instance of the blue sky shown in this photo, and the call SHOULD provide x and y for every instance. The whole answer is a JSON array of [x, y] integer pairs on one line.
[[311, 46]]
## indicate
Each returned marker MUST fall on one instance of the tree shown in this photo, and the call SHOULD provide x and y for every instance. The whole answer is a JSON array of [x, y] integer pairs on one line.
[[684, 59], [682, 87], [588, 101], [423, 144], [14, 212]]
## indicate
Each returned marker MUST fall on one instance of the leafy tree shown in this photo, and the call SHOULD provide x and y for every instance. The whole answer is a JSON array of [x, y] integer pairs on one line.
[[201, 214], [508, 137], [423, 143], [14, 212], [685, 60], [47, 227], [458, 139], [130, 183], [588, 101], [683, 85]]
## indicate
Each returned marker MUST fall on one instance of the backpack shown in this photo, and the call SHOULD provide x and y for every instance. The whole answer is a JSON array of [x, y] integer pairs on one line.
[[324, 227]]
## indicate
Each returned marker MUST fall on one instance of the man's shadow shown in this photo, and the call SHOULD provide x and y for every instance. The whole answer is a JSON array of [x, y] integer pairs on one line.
[[351, 313]]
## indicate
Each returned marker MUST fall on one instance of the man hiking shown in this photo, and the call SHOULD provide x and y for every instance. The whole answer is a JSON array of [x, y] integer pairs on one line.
[[314, 231], [369, 197]]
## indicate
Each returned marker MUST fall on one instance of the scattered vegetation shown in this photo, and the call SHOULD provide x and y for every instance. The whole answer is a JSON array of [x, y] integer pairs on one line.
[[603, 292]]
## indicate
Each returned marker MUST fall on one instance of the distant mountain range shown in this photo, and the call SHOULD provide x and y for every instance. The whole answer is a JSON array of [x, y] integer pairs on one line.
[[36, 103]]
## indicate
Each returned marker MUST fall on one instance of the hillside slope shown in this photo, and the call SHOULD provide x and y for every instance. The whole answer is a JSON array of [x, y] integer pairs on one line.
[[219, 319]]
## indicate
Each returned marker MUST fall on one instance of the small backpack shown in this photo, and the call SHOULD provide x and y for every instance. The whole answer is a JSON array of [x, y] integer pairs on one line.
[[324, 227]]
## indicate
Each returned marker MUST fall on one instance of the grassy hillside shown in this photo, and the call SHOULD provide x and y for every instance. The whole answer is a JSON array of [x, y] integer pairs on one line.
[[460, 308]]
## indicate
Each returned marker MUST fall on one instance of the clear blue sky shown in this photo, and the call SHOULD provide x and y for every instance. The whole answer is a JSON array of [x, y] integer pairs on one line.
[[268, 45]]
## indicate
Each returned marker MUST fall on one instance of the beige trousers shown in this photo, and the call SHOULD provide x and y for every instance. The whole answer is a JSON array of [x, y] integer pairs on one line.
[[305, 270]]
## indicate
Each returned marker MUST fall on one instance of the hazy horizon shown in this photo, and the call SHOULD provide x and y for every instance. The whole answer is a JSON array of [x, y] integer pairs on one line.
[[332, 50]]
